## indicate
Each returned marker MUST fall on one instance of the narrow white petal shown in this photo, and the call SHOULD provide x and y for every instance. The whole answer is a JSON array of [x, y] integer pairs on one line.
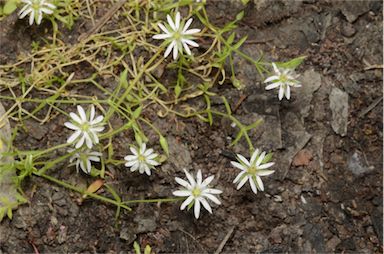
[[260, 159], [133, 150], [80, 142], [288, 92], [187, 24], [281, 92], [276, 69], [97, 129], [92, 113], [49, 5], [207, 180], [206, 205], [192, 31], [272, 78], [212, 191], [135, 167], [260, 183], [238, 177], [242, 182], [186, 202], [238, 165], [39, 17], [175, 52], [170, 22], [182, 182], [169, 49], [243, 159], [190, 42], [253, 185], [266, 165], [151, 156], [82, 114], [88, 140], [212, 198], [83, 167], [265, 172], [181, 193], [152, 162], [254, 156], [186, 48], [272, 86], [190, 178], [142, 148], [199, 177], [75, 118], [89, 166], [130, 163], [71, 126], [177, 21], [162, 27], [74, 136], [23, 12], [147, 170], [31, 17], [94, 158], [148, 152], [197, 208], [130, 157], [161, 36], [97, 120]]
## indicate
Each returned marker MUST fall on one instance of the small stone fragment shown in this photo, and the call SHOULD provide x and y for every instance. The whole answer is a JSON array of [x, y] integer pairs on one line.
[[302, 158], [338, 102]]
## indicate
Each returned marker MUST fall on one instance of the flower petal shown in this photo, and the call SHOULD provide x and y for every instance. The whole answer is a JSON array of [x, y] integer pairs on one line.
[[265, 172], [243, 159], [199, 177], [266, 165], [197, 208], [238, 177], [182, 182], [253, 185], [212, 198], [82, 114], [186, 202], [181, 193], [254, 156], [242, 182], [206, 205], [260, 183], [207, 180]]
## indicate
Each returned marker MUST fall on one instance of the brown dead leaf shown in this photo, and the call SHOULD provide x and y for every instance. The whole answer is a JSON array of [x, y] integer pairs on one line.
[[93, 187]]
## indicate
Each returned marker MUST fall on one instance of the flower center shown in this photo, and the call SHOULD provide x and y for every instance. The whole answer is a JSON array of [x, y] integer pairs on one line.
[[141, 158], [283, 78], [36, 5], [252, 170], [196, 192], [85, 127]]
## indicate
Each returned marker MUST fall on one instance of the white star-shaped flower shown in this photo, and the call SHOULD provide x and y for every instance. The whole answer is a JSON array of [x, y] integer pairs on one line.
[[36, 9], [84, 159], [252, 170], [85, 130], [284, 79], [143, 159], [197, 192], [177, 35]]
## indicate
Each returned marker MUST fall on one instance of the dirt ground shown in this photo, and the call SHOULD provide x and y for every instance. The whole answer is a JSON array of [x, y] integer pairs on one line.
[[326, 193]]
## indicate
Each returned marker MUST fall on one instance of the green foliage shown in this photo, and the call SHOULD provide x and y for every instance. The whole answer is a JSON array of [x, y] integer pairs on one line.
[[136, 248], [7, 205]]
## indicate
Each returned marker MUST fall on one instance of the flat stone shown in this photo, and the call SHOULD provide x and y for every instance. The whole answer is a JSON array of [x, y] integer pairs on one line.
[[357, 166], [180, 156], [311, 82], [313, 234], [354, 9], [338, 103]]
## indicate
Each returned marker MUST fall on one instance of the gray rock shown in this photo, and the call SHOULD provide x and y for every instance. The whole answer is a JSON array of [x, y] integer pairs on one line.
[[145, 224], [338, 102], [348, 30], [179, 156], [357, 166], [353, 9], [311, 82], [127, 235], [314, 235]]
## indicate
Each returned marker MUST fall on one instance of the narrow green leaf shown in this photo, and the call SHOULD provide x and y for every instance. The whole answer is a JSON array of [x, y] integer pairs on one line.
[[164, 144], [9, 7], [136, 247]]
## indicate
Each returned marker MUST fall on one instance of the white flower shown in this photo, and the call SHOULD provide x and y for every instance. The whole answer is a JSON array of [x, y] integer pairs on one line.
[[35, 9], [142, 159], [284, 78], [252, 170], [177, 35], [84, 158], [85, 130], [197, 192]]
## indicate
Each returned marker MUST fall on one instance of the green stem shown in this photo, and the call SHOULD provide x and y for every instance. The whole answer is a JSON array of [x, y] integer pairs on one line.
[[95, 196], [153, 200]]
